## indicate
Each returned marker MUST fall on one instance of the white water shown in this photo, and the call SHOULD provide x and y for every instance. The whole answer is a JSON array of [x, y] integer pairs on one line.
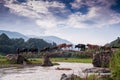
[[42, 73]]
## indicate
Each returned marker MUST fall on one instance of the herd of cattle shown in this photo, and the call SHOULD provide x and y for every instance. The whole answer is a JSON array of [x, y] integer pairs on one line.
[[81, 47]]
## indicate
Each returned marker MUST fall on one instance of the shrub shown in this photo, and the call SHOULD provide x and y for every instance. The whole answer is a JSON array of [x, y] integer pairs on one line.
[[115, 65]]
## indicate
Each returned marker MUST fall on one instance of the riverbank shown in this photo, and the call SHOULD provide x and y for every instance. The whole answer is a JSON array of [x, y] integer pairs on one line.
[[38, 61]]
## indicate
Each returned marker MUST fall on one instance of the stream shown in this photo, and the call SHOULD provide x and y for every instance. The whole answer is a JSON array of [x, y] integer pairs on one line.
[[43, 73]]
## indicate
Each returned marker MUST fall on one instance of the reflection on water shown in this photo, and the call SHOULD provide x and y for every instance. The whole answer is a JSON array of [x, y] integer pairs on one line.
[[42, 73]]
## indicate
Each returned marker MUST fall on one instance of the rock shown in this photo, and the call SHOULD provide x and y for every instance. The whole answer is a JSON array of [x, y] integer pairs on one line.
[[97, 70], [21, 60], [63, 76], [68, 77], [12, 58], [17, 59], [101, 59], [63, 68], [46, 61]]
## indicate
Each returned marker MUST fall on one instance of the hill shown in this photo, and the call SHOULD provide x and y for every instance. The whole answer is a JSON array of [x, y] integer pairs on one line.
[[49, 39], [115, 43], [14, 34], [55, 39]]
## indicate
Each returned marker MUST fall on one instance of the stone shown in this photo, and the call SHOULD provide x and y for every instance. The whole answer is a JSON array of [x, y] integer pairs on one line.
[[97, 70], [21, 60], [46, 60], [17, 59], [68, 77], [101, 59]]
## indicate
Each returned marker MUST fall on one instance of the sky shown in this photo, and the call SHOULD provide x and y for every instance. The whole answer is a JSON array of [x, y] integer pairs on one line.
[[78, 21]]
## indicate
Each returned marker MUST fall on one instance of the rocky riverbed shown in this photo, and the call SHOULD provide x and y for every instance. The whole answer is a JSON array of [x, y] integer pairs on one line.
[[43, 73]]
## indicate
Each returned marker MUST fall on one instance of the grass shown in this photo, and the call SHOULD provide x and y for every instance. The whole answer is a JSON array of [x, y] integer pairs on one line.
[[78, 60], [115, 65], [37, 61]]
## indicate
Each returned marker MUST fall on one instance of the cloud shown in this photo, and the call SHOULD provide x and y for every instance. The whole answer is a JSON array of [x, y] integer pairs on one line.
[[99, 12], [54, 15]]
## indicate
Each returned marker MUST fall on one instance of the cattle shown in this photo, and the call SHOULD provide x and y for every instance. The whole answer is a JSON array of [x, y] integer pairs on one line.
[[55, 48], [93, 47], [33, 50], [60, 46], [45, 49], [80, 46], [106, 48], [22, 50], [69, 45]]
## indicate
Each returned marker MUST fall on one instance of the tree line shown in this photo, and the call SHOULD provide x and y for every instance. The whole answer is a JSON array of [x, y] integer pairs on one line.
[[9, 46]]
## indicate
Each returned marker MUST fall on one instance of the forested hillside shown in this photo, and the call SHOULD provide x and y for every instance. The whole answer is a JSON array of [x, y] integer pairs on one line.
[[115, 43], [8, 46]]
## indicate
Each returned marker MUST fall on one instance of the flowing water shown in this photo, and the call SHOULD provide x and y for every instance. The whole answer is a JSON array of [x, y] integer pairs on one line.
[[42, 73]]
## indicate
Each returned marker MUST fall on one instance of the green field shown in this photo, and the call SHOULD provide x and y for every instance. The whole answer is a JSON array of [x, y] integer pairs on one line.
[[77, 60], [37, 61]]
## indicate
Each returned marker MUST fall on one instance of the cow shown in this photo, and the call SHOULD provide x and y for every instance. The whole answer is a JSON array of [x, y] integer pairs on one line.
[[69, 46], [55, 48], [45, 49], [60, 46], [106, 48], [93, 47], [80, 46], [33, 50], [22, 50]]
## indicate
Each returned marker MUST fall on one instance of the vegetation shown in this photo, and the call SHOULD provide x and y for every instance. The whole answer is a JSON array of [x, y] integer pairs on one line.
[[115, 65], [8, 46], [37, 61], [85, 60], [79, 60], [115, 43]]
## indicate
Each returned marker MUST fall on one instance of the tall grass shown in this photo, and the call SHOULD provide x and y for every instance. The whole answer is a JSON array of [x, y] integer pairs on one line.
[[115, 65]]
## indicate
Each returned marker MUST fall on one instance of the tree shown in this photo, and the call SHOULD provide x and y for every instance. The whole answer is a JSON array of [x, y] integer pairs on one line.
[[4, 39]]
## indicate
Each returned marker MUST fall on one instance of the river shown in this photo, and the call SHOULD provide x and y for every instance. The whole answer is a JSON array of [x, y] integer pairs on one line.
[[42, 73]]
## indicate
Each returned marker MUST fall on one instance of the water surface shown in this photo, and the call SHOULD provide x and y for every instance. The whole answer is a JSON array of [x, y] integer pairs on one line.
[[42, 73]]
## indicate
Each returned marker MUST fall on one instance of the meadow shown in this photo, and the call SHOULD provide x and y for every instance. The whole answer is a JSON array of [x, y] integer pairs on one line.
[[37, 61]]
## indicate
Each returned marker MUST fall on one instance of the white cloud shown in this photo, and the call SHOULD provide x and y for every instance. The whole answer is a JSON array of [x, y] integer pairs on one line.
[[100, 14], [39, 11]]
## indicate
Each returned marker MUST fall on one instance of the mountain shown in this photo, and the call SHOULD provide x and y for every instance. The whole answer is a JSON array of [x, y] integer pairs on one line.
[[55, 39], [115, 43], [14, 34], [49, 39]]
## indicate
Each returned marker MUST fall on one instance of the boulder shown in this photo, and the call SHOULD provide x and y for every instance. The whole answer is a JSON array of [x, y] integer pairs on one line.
[[21, 60], [63, 68], [101, 59], [17, 59], [68, 77], [97, 70], [46, 60]]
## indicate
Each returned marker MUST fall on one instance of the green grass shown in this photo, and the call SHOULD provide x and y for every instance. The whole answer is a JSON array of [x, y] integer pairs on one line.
[[37, 61], [78, 60], [115, 65]]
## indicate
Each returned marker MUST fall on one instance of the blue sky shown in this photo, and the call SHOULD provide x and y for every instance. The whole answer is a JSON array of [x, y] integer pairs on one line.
[[79, 21]]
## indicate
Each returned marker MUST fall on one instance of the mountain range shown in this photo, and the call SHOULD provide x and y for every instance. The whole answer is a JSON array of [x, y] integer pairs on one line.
[[49, 39]]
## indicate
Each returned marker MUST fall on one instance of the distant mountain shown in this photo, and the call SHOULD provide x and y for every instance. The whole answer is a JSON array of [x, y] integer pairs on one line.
[[115, 43], [55, 39], [14, 34], [49, 39]]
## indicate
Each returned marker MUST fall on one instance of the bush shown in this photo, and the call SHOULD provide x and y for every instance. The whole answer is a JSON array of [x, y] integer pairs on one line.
[[2, 57], [115, 65]]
